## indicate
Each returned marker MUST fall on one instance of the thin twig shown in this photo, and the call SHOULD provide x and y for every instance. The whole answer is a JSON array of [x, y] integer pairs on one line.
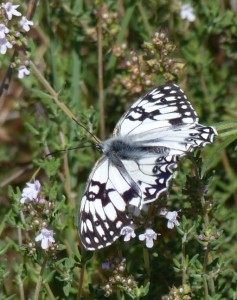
[[144, 18], [55, 97], [17, 174], [81, 282], [206, 261], [67, 183], [184, 267], [100, 72], [21, 287], [40, 279], [49, 291], [147, 261]]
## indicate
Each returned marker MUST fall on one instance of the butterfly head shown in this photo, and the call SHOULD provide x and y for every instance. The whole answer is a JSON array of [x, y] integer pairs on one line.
[[99, 147]]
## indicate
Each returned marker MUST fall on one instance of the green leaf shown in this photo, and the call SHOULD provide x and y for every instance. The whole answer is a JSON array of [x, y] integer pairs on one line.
[[50, 166]]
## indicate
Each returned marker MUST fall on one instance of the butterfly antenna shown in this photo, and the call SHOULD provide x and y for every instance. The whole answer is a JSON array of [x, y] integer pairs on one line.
[[65, 150], [95, 139]]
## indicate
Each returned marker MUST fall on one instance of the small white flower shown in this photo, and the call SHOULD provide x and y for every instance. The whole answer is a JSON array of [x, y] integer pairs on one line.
[[171, 216], [30, 192], [149, 236], [3, 31], [25, 24], [187, 12], [128, 232], [46, 238], [4, 44], [10, 10], [22, 71]]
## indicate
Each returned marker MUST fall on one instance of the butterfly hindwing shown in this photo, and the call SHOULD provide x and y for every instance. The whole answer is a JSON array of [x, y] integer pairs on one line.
[[152, 176], [103, 206]]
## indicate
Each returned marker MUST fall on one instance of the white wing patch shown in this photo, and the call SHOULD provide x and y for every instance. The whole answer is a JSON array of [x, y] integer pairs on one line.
[[138, 162]]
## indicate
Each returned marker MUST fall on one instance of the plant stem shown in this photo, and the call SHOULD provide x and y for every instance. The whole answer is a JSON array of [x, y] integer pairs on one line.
[[49, 291], [144, 18], [67, 184], [81, 282], [39, 282], [21, 288], [184, 267], [100, 72], [206, 276], [54, 95], [147, 261], [118, 295]]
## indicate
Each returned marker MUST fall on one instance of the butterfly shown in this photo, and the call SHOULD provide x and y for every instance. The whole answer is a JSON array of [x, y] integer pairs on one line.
[[138, 162]]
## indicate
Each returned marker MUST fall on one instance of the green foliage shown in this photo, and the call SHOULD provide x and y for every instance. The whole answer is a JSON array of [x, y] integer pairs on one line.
[[144, 44]]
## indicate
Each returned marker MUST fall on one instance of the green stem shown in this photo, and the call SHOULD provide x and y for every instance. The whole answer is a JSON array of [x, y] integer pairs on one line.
[[118, 295], [49, 291], [144, 18], [205, 275], [184, 267], [81, 282], [39, 282], [147, 261], [21, 287], [55, 97]]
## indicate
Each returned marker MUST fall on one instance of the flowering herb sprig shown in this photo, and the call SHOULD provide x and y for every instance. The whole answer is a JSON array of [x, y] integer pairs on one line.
[[13, 29], [118, 280], [38, 209]]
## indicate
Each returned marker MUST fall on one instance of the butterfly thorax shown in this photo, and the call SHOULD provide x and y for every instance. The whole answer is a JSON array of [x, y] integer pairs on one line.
[[127, 149]]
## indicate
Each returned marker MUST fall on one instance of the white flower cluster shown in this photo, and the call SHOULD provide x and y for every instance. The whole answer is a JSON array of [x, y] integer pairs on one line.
[[150, 235], [10, 31], [31, 193]]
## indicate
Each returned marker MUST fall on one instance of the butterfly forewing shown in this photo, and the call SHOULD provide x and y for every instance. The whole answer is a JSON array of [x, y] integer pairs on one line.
[[163, 108], [138, 162]]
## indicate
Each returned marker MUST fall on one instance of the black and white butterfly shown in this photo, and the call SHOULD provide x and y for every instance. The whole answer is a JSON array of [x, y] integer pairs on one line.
[[138, 162]]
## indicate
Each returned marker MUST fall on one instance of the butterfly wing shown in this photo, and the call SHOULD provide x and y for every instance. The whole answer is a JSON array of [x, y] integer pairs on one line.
[[163, 120], [161, 109], [103, 206], [111, 189], [152, 176]]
